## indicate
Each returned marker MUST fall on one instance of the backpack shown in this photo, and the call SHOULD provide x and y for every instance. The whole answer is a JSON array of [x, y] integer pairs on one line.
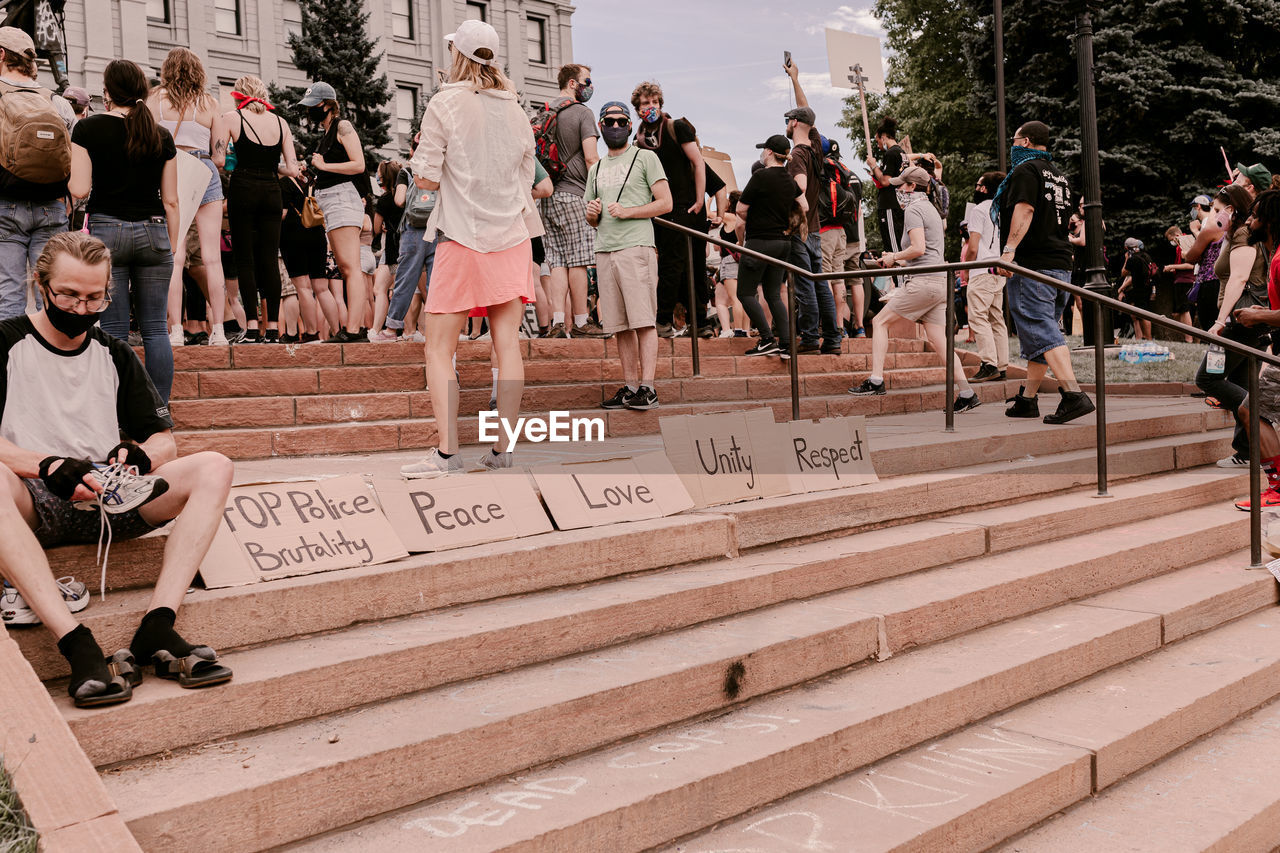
[[546, 144], [34, 143], [940, 196], [840, 198], [418, 205]]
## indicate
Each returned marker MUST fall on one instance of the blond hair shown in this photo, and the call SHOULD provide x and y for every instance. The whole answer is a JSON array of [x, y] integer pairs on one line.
[[254, 88], [77, 245], [480, 77], [183, 78]]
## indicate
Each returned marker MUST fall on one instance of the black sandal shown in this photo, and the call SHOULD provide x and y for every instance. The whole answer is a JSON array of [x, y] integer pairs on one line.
[[198, 669]]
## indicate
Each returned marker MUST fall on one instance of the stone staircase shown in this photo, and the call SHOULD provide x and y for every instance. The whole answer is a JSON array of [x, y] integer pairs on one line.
[[940, 661]]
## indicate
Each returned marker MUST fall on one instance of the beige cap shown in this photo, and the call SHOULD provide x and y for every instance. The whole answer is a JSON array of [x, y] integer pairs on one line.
[[912, 174], [17, 41]]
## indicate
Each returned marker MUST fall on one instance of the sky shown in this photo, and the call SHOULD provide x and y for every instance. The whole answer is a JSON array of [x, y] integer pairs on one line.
[[719, 62]]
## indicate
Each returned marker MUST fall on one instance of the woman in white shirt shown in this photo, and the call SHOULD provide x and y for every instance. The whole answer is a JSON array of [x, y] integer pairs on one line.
[[477, 149]]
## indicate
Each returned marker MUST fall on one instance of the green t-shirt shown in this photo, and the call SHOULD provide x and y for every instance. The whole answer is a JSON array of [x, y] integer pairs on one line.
[[605, 180]]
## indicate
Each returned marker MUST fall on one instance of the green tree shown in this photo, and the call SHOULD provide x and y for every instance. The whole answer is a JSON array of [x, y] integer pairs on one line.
[[334, 46]]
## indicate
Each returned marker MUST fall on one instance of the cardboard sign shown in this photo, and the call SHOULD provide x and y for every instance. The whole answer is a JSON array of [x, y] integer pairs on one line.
[[845, 50], [722, 165], [453, 512], [193, 180], [720, 460], [279, 530], [588, 494], [831, 453]]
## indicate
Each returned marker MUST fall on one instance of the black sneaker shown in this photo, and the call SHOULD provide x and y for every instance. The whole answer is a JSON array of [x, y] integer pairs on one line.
[[808, 348], [830, 349], [868, 388], [618, 400], [964, 404], [739, 333], [343, 337], [290, 339], [986, 373], [1023, 407], [1074, 404], [763, 348], [644, 399]]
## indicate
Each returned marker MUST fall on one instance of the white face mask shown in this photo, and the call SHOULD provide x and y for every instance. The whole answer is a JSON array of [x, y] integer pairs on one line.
[[905, 198]]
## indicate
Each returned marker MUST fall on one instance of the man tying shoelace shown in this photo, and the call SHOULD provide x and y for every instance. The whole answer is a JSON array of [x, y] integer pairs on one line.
[[68, 391]]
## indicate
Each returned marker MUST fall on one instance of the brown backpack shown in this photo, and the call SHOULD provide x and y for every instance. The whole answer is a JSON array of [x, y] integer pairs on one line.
[[34, 143]]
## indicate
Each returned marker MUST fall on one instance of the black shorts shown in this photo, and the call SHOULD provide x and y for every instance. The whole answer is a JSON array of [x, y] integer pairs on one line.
[[58, 522], [539, 251], [303, 251]]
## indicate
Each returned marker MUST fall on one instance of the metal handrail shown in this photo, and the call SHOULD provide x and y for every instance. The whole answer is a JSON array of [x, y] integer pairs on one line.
[[1256, 357]]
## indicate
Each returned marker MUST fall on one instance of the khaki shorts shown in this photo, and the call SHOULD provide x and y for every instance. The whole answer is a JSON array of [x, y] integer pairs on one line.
[[194, 258], [628, 283], [834, 244], [922, 299]]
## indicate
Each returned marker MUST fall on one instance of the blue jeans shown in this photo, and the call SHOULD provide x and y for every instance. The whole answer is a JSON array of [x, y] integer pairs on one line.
[[25, 226], [813, 303], [416, 255], [1036, 308], [141, 257]]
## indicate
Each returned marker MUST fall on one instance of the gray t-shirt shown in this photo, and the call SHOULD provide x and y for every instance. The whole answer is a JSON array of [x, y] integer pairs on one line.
[[921, 213], [575, 123]]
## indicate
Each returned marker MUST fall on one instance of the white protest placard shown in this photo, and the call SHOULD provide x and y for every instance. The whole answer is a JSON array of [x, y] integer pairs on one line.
[[588, 494], [278, 530], [831, 453], [193, 180], [453, 512], [846, 50], [719, 459]]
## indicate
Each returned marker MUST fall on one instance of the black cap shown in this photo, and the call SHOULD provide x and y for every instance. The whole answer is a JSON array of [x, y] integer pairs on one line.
[[804, 115], [778, 144]]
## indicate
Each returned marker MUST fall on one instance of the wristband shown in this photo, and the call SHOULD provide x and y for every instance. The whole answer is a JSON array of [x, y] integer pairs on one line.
[[70, 474], [134, 455]]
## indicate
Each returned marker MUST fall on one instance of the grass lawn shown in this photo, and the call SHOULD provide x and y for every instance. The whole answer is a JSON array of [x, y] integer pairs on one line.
[[16, 833], [1181, 368]]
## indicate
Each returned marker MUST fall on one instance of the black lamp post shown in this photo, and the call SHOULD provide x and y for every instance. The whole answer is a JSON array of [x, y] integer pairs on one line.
[[1095, 272]]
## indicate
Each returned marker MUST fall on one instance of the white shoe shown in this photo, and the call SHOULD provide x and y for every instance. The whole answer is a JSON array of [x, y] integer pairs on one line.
[[432, 465], [218, 338], [1233, 461], [418, 338], [123, 489], [176, 337], [14, 609], [728, 333], [494, 461]]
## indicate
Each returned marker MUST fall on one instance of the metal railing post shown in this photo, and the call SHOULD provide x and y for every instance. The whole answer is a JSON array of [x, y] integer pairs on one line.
[[1255, 470], [1100, 393], [950, 352], [795, 360], [692, 318]]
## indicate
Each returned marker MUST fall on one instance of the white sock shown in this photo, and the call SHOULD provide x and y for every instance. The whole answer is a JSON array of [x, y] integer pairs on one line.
[[633, 388], [493, 389], [876, 380], [557, 317], [966, 393], [581, 319]]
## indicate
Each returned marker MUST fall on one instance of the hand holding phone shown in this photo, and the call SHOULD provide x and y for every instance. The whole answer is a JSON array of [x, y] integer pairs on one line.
[[786, 59]]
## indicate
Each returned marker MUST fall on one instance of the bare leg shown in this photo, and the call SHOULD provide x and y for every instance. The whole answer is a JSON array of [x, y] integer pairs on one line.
[[542, 305], [647, 339], [327, 303], [722, 307], [938, 340], [558, 290], [209, 229], [289, 314], [381, 285], [22, 560], [578, 289], [1059, 361], [442, 332], [880, 340], [175, 283], [504, 330], [345, 242], [307, 306], [629, 355]]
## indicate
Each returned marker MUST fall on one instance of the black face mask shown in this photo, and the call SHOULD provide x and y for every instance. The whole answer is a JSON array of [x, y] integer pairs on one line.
[[69, 323], [979, 196], [317, 113]]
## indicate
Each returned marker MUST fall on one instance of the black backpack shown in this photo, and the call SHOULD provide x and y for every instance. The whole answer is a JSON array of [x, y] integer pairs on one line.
[[840, 196]]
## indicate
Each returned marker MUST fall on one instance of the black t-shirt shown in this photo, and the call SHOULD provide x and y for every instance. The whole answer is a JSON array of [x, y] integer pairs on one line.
[[666, 142], [330, 147], [1040, 184], [122, 188], [891, 163], [769, 196], [807, 160], [1138, 267], [390, 213]]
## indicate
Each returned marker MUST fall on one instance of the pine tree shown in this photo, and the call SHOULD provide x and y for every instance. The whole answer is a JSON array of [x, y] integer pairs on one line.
[[334, 47]]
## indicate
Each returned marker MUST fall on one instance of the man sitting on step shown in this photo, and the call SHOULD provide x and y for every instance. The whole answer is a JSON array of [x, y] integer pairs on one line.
[[67, 393]]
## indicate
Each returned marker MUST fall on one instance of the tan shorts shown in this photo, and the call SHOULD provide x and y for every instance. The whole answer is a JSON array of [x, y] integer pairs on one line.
[[194, 257], [922, 299], [628, 284], [834, 243]]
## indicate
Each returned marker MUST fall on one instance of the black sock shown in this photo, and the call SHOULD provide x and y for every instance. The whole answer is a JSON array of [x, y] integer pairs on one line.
[[88, 664], [444, 455], [156, 633], [230, 327], [273, 334]]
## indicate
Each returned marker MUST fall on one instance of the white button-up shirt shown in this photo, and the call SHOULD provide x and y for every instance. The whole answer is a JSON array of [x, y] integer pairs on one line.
[[478, 145]]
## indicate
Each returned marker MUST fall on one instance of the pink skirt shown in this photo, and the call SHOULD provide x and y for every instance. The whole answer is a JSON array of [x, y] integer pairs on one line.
[[463, 279]]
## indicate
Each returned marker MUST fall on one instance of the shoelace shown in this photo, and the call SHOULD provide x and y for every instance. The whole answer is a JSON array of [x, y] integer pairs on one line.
[[111, 478]]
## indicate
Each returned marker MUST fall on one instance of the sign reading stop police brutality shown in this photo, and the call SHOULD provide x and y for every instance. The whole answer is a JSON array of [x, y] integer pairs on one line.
[[280, 530], [468, 509]]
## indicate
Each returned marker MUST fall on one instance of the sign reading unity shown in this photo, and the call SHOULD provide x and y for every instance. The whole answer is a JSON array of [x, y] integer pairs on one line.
[[588, 494], [727, 457], [469, 509], [278, 530]]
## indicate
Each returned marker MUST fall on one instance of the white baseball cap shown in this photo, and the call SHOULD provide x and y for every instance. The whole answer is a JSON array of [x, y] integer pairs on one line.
[[473, 35]]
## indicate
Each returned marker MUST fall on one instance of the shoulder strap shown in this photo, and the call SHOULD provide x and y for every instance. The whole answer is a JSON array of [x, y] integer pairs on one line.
[[627, 177]]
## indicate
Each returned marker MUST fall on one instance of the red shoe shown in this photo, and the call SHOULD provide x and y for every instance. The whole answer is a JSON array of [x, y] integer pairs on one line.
[[1270, 499]]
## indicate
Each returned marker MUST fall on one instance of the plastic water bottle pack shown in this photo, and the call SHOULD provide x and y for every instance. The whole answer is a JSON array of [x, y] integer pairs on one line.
[[1144, 352]]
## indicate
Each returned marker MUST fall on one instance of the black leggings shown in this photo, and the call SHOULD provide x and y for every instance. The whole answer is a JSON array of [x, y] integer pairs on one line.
[[752, 273], [1229, 387], [253, 207]]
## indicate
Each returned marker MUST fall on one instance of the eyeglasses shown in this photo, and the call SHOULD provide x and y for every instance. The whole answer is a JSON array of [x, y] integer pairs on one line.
[[1023, 138], [615, 122], [92, 304], [585, 83]]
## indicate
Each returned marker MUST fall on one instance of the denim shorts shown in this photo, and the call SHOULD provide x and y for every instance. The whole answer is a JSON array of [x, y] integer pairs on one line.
[[341, 206], [58, 522], [1036, 308], [213, 192]]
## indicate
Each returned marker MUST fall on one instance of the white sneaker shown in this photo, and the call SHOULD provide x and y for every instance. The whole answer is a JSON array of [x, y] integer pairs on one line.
[[176, 337], [493, 461], [123, 488], [1233, 461], [728, 333], [14, 609], [432, 465], [218, 338], [418, 338]]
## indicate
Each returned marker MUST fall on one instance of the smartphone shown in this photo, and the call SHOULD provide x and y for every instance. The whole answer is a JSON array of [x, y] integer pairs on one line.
[[786, 59]]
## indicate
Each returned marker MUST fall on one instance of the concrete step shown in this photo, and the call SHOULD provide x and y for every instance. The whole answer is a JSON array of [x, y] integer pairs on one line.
[[991, 781], [469, 642], [681, 779]]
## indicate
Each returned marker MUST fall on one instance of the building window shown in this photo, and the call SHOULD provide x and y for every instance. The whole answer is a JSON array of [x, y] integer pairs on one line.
[[477, 11], [292, 18], [406, 109], [536, 34], [158, 10], [402, 19], [226, 16]]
